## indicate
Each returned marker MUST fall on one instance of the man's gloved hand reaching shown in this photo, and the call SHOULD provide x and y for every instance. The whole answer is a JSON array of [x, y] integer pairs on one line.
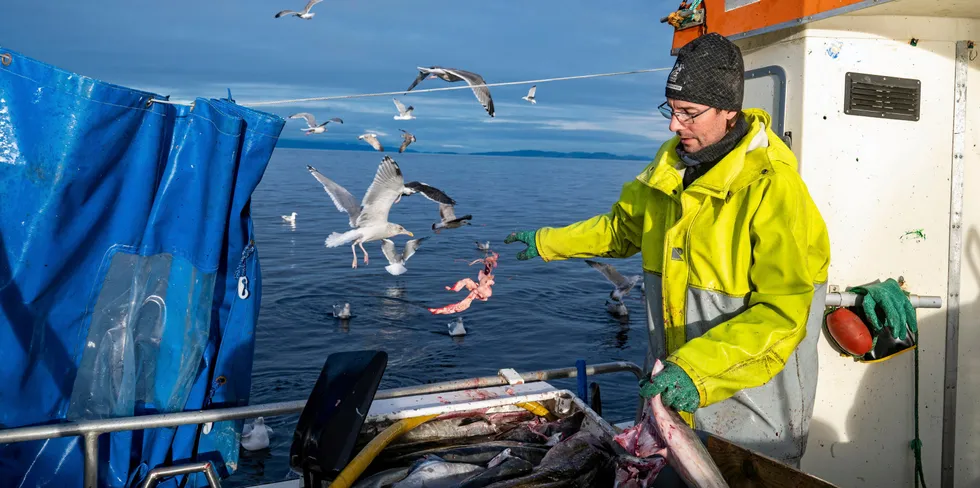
[[527, 237]]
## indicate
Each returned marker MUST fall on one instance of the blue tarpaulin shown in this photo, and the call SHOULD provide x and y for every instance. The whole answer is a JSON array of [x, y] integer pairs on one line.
[[129, 277]]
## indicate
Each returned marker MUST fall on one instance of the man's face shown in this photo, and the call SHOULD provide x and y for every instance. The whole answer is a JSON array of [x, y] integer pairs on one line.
[[698, 125]]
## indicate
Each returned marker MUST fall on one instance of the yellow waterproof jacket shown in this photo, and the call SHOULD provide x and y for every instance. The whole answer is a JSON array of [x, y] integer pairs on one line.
[[740, 258]]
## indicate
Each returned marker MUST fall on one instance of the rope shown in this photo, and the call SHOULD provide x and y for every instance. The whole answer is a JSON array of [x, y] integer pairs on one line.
[[429, 90], [916, 443]]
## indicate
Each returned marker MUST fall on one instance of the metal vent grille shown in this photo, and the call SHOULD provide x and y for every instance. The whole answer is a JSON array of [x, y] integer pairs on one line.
[[884, 97]]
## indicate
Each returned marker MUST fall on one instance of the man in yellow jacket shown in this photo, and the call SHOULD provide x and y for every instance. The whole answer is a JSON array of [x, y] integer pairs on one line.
[[735, 257]]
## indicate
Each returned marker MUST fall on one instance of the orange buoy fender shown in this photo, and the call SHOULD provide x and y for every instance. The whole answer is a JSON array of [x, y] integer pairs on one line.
[[849, 331]]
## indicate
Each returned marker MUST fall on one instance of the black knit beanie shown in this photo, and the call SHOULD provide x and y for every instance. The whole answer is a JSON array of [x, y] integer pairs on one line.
[[708, 71]]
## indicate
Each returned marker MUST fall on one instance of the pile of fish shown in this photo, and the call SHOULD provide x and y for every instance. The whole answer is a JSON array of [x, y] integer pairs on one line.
[[527, 453], [519, 449]]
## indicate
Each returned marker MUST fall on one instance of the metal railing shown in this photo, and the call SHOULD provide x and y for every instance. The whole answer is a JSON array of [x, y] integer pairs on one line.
[[848, 299], [90, 430]]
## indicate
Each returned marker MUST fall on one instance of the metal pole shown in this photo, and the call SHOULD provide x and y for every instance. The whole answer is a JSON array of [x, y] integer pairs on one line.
[[91, 450], [485, 381], [160, 473], [948, 474], [847, 299]]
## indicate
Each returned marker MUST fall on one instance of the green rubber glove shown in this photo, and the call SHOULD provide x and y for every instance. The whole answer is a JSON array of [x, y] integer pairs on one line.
[[889, 297], [527, 237], [675, 387]]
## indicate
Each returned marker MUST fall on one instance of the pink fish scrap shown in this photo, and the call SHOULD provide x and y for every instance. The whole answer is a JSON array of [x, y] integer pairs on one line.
[[478, 290], [663, 435]]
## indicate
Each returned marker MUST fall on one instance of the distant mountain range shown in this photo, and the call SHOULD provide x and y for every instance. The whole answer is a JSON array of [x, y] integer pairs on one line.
[[526, 153]]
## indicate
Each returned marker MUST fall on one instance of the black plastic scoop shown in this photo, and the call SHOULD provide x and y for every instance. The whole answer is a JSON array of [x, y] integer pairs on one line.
[[334, 413]]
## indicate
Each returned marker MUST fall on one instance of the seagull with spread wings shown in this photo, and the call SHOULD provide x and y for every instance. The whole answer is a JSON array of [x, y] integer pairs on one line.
[[371, 139], [369, 220], [303, 14], [451, 75], [430, 192], [396, 260], [313, 127], [622, 285], [403, 113], [408, 139], [449, 220], [530, 94]]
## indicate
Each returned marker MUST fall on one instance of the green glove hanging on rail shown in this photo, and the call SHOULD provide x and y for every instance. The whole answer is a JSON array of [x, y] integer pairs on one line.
[[527, 237], [675, 387], [889, 297]]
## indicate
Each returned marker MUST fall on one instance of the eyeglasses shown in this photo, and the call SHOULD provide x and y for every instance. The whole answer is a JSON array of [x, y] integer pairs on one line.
[[682, 117]]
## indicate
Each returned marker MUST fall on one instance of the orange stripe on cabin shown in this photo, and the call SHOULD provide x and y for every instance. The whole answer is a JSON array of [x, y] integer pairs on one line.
[[759, 15]]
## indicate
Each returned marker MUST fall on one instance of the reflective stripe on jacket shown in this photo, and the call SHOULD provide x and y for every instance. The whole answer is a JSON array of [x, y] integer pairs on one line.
[[736, 266]]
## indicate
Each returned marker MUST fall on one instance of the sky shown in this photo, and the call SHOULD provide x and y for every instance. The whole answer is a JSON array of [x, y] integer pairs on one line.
[[188, 49]]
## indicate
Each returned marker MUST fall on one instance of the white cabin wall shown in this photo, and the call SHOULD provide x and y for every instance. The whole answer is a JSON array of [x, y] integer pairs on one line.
[[874, 180]]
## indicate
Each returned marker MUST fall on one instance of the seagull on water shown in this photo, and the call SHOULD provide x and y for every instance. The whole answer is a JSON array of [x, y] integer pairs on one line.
[[485, 247], [449, 220], [456, 328], [452, 75], [313, 128], [342, 311], [530, 94], [290, 219], [255, 436], [396, 260], [304, 14], [371, 139], [622, 285], [403, 113], [617, 309], [408, 139], [369, 220]]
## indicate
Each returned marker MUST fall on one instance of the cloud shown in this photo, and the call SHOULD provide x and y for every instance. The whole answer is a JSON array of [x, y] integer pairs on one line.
[[453, 145]]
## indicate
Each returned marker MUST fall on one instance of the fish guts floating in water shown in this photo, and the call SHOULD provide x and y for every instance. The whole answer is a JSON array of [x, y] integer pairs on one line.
[[478, 290]]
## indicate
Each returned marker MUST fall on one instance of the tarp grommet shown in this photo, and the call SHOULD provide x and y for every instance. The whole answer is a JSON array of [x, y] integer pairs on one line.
[[6, 59]]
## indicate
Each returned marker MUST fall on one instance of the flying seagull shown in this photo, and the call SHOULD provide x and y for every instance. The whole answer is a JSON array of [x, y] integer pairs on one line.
[[369, 219], [372, 139], [452, 75], [305, 14], [403, 113], [530, 94], [396, 260], [408, 139], [622, 284], [449, 220], [430, 192], [311, 122]]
